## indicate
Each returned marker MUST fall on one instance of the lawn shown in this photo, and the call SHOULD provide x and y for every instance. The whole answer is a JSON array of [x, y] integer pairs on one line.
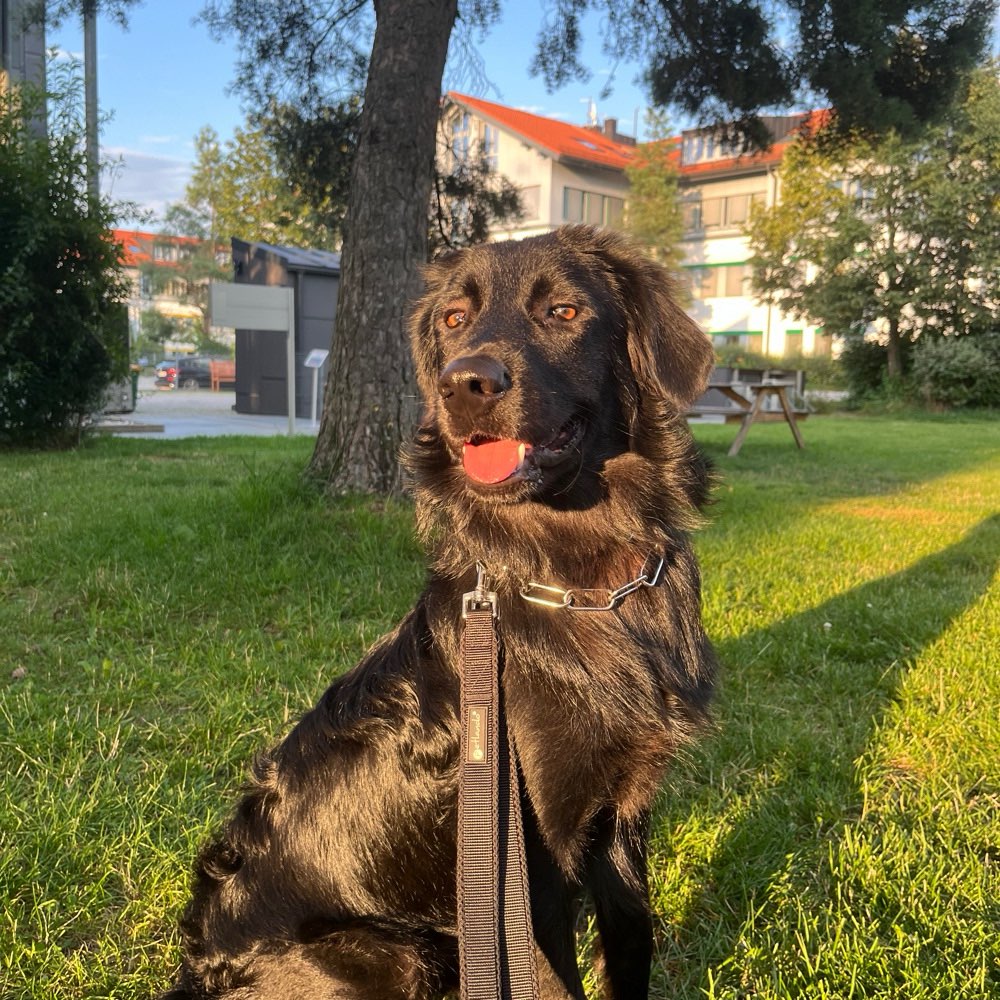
[[168, 607]]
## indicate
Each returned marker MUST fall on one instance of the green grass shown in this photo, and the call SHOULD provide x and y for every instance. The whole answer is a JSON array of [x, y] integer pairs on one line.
[[168, 607]]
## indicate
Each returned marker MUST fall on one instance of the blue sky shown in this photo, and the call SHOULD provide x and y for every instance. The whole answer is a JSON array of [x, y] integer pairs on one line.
[[164, 78]]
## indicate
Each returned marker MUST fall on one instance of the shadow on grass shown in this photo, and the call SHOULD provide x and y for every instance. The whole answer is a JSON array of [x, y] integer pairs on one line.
[[801, 700]]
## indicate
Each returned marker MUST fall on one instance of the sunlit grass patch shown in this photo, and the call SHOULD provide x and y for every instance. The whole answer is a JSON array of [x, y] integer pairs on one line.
[[168, 608]]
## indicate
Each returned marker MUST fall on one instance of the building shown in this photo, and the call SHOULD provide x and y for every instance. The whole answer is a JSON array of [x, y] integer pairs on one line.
[[718, 188], [569, 173], [22, 49], [261, 355], [159, 281], [565, 173]]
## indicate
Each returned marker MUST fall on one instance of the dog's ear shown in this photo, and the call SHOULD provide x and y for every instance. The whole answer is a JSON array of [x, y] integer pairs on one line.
[[670, 356], [423, 336]]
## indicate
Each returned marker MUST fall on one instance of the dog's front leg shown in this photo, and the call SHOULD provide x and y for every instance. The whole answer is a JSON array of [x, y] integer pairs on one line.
[[553, 913], [617, 882]]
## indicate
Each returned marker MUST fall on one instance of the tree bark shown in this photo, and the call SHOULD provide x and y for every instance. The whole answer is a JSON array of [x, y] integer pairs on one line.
[[894, 353], [371, 400]]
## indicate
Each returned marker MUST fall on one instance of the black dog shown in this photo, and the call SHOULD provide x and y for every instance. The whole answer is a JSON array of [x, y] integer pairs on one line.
[[554, 451]]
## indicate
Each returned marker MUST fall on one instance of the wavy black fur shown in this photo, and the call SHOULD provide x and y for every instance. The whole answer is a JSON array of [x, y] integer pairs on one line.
[[335, 878]]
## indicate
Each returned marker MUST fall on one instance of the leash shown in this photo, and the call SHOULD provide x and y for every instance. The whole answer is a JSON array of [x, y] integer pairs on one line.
[[496, 943], [495, 939]]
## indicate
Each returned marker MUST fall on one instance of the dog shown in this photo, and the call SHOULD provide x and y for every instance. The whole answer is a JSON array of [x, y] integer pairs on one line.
[[554, 452]]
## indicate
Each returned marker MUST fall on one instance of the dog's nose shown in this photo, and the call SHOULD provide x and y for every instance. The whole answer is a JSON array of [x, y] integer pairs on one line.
[[471, 386]]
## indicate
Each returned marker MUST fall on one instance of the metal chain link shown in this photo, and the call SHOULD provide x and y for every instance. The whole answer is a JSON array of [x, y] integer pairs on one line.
[[572, 600]]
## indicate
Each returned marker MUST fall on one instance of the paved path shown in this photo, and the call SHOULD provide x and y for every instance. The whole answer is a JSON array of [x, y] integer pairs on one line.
[[179, 413]]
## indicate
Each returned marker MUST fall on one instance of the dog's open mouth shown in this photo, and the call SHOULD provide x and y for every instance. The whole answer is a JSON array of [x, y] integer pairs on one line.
[[495, 460]]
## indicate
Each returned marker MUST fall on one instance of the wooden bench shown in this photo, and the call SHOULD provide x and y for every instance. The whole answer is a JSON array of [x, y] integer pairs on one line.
[[739, 394], [221, 371]]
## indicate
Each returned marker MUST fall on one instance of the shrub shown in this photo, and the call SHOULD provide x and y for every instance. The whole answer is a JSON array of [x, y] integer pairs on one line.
[[62, 335], [958, 371], [865, 364]]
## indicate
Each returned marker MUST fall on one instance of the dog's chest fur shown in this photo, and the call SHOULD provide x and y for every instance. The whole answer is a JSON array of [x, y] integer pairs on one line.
[[596, 701]]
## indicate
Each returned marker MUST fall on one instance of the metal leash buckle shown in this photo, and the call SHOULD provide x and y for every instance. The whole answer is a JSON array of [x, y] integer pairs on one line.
[[529, 589], [649, 576], [479, 599]]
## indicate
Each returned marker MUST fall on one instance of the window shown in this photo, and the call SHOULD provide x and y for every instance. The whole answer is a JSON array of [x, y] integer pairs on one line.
[[719, 280], [793, 344], [749, 340], [700, 147], [164, 251], [572, 205], [592, 208], [460, 138], [703, 282], [737, 209], [531, 202], [614, 212], [735, 279], [491, 145], [712, 212], [691, 211], [716, 213]]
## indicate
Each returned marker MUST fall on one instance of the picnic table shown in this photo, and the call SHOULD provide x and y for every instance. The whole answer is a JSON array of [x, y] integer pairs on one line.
[[743, 394], [221, 371]]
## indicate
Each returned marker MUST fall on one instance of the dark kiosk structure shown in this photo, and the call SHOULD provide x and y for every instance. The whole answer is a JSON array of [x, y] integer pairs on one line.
[[261, 362]]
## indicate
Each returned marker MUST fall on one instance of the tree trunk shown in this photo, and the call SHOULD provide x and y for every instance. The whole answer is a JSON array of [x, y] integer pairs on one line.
[[894, 352], [371, 399]]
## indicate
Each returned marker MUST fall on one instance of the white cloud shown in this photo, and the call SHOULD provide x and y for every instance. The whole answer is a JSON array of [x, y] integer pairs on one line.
[[153, 182], [538, 109], [60, 54]]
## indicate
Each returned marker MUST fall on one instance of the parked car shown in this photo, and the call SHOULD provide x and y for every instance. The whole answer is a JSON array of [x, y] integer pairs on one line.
[[184, 373]]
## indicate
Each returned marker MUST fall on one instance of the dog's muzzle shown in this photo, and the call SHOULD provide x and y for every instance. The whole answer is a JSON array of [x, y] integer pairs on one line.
[[470, 387]]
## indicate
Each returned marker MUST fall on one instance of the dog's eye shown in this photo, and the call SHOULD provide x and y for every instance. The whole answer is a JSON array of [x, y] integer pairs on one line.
[[564, 312], [454, 318]]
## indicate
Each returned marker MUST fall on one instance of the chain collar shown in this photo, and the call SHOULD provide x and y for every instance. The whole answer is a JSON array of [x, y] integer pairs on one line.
[[583, 599]]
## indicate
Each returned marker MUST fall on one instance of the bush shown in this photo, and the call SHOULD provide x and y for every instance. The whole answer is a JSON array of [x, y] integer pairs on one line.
[[62, 336], [958, 371], [865, 364]]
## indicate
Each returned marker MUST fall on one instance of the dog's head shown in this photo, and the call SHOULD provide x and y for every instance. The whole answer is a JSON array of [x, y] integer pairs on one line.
[[541, 360]]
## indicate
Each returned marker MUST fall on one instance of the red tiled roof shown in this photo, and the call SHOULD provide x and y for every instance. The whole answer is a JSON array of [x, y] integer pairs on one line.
[[811, 123], [562, 141], [138, 245]]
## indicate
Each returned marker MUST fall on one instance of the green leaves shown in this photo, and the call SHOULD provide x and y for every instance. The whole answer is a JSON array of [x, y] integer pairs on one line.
[[900, 238], [63, 333], [654, 215]]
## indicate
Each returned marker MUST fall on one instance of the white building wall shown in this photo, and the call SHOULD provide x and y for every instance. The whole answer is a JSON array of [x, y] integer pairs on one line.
[[597, 181], [530, 171], [739, 320], [732, 319], [542, 181]]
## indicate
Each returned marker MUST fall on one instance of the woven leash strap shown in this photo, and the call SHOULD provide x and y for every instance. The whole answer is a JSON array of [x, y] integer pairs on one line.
[[496, 944]]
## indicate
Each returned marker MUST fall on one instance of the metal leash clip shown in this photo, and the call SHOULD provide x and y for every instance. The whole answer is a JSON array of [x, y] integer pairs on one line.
[[480, 599], [556, 597]]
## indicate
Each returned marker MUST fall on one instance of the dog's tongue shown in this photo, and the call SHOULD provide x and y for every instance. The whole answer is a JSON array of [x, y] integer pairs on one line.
[[493, 461]]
